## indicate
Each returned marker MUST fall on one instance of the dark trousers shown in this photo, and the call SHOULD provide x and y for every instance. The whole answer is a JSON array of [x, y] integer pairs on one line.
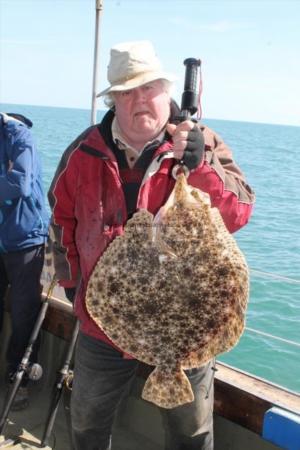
[[22, 271], [102, 377]]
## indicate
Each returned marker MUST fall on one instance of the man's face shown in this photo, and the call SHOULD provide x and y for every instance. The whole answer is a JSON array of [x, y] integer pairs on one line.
[[142, 112]]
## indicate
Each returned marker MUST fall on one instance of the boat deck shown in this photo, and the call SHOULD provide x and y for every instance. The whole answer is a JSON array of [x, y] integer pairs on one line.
[[25, 429], [27, 426], [137, 426]]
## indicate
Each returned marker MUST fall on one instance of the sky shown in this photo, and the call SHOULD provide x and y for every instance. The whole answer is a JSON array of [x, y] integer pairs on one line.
[[250, 51]]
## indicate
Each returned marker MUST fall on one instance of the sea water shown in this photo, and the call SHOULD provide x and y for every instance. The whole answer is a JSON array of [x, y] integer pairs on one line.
[[269, 155]]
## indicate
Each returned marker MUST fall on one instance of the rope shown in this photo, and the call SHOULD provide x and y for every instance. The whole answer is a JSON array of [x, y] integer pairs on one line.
[[287, 341], [275, 276]]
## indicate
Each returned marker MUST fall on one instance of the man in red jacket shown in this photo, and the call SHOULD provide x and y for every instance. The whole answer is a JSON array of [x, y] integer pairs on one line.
[[111, 170]]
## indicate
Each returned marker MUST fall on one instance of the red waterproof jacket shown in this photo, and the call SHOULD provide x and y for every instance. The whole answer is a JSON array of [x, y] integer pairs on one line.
[[89, 208]]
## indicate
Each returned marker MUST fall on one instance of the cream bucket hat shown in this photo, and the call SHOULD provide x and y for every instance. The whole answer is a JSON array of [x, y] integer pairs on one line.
[[133, 64]]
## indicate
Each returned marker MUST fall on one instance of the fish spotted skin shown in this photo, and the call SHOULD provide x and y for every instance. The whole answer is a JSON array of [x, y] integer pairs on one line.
[[172, 291]]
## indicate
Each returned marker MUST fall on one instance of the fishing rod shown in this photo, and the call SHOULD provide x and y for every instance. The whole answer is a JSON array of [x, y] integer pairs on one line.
[[189, 102], [190, 96], [64, 379], [33, 371]]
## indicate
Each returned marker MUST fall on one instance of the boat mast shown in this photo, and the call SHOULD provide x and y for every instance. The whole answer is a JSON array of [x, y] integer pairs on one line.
[[99, 8]]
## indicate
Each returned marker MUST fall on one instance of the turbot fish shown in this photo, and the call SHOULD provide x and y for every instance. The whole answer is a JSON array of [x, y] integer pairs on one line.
[[172, 291]]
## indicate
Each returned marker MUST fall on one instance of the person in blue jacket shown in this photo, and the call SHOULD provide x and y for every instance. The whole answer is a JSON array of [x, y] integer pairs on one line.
[[23, 233]]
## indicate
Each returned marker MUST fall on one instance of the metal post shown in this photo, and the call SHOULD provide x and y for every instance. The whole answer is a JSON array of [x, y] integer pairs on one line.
[[99, 8]]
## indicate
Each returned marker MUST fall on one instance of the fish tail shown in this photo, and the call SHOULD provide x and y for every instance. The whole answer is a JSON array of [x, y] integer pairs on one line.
[[168, 389]]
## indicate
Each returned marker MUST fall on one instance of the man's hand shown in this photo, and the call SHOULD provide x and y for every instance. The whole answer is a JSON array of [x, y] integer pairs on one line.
[[188, 143]]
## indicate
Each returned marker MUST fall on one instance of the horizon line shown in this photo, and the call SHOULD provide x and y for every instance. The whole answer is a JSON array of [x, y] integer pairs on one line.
[[103, 110]]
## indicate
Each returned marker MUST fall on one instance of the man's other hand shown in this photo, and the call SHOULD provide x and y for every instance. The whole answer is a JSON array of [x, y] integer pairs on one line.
[[188, 143]]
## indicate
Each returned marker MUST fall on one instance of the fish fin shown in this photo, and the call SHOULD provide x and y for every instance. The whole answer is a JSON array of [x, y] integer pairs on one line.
[[168, 389]]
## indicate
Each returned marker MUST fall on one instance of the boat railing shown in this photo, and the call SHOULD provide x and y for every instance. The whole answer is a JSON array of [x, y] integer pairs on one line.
[[260, 330], [272, 336], [277, 277]]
